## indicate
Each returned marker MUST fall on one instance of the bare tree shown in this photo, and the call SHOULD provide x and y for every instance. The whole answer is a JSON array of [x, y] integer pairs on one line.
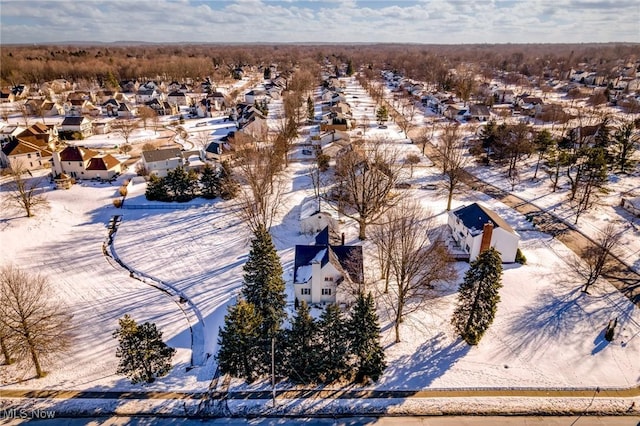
[[451, 149], [31, 315], [146, 113], [262, 191], [5, 345], [26, 114], [364, 182], [423, 139], [594, 257], [412, 160], [417, 259], [24, 193], [125, 128]]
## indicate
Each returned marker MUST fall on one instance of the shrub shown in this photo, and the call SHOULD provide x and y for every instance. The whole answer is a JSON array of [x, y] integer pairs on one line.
[[117, 202], [123, 190], [520, 258]]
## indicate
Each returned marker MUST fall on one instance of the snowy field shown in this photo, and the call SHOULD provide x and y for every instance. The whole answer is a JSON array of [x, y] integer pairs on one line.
[[546, 332]]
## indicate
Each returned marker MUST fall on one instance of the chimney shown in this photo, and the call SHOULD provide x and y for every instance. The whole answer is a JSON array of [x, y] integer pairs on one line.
[[487, 232]]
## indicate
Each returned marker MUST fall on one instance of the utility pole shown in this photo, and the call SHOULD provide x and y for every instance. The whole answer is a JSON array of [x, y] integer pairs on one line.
[[273, 370]]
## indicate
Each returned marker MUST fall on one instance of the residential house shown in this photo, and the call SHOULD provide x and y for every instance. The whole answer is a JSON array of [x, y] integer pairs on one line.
[[217, 101], [479, 112], [255, 95], [161, 107], [160, 161], [314, 219], [326, 273], [145, 95], [31, 147], [84, 163], [476, 228], [178, 98], [27, 153], [81, 125]]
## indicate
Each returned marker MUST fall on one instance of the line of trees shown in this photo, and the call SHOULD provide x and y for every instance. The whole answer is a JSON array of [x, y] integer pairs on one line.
[[182, 185]]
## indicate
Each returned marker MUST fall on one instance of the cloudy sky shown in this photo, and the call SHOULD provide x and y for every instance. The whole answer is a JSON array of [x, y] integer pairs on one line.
[[412, 21]]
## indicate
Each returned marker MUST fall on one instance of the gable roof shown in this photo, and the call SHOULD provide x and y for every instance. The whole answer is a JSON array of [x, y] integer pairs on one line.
[[160, 154], [74, 121], [348, 259], [106, 162], [20, 146], [475, 216], [77, 153]]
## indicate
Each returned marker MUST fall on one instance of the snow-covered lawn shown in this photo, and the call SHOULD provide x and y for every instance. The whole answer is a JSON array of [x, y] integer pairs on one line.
[[546, 332]]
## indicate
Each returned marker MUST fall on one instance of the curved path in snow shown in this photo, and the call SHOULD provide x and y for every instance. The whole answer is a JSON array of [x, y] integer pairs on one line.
[[189, 309]]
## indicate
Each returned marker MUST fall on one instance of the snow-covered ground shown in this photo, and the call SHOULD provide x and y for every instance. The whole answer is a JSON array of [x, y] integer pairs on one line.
[[546, 332]]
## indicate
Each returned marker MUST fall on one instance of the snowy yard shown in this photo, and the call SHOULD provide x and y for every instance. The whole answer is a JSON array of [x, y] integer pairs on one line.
[[546, 332]]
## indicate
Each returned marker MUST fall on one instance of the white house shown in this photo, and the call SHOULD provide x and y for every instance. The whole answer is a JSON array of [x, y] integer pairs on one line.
[[84, 163], [160, 161], [320, 269], [476, 228], [77, 124], [313, 219]]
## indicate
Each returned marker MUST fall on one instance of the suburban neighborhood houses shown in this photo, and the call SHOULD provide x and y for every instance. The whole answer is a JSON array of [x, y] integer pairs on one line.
[[283, 230]]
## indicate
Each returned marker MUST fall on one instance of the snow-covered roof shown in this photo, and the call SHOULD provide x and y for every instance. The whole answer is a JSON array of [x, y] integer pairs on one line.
[[303, 273]]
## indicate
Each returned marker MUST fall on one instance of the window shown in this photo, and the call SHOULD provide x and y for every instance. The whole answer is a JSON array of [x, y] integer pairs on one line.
[[326, 292], [28, 155], [305, 291], [328, 278]]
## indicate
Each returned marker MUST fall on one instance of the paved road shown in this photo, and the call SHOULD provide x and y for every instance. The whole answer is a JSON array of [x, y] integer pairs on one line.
[[349, 421]]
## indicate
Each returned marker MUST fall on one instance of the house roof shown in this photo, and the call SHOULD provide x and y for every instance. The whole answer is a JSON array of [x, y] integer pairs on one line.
[[345, 258], [160, 154], [20, 147], [475, 216], [77, 153], [73, 121], [106, 162]]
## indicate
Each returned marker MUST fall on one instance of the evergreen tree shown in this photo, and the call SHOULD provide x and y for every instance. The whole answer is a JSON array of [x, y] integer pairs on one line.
[[263, 283], [364, 333], [349, 68], [143, 355], [624, 146], [301, 354], [382, 115], [310, 109], [478, 296], [156, 189], [182, 185], [267, 73], [210, 182], [238, 340], [229, 187], [333, 350]]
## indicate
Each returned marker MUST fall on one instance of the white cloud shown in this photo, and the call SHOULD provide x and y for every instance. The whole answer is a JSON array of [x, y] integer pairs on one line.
[[435, 21]]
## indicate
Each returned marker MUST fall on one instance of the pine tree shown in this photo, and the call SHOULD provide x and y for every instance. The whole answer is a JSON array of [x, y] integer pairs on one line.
[[382, 114], [143, 355], [364, 333], [229, 187], [310, 109], [349, 68], [238, 340], [478, 296], [301, 343], [263, 283], [333, 350], [210, 181], [156, 189]]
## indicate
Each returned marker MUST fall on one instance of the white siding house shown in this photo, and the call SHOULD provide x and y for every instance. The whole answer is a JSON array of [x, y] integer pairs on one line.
[[475, 228], [320, 269], [160, 161]]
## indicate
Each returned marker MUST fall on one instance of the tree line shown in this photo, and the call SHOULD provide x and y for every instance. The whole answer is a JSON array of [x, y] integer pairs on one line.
[[182, 185]]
